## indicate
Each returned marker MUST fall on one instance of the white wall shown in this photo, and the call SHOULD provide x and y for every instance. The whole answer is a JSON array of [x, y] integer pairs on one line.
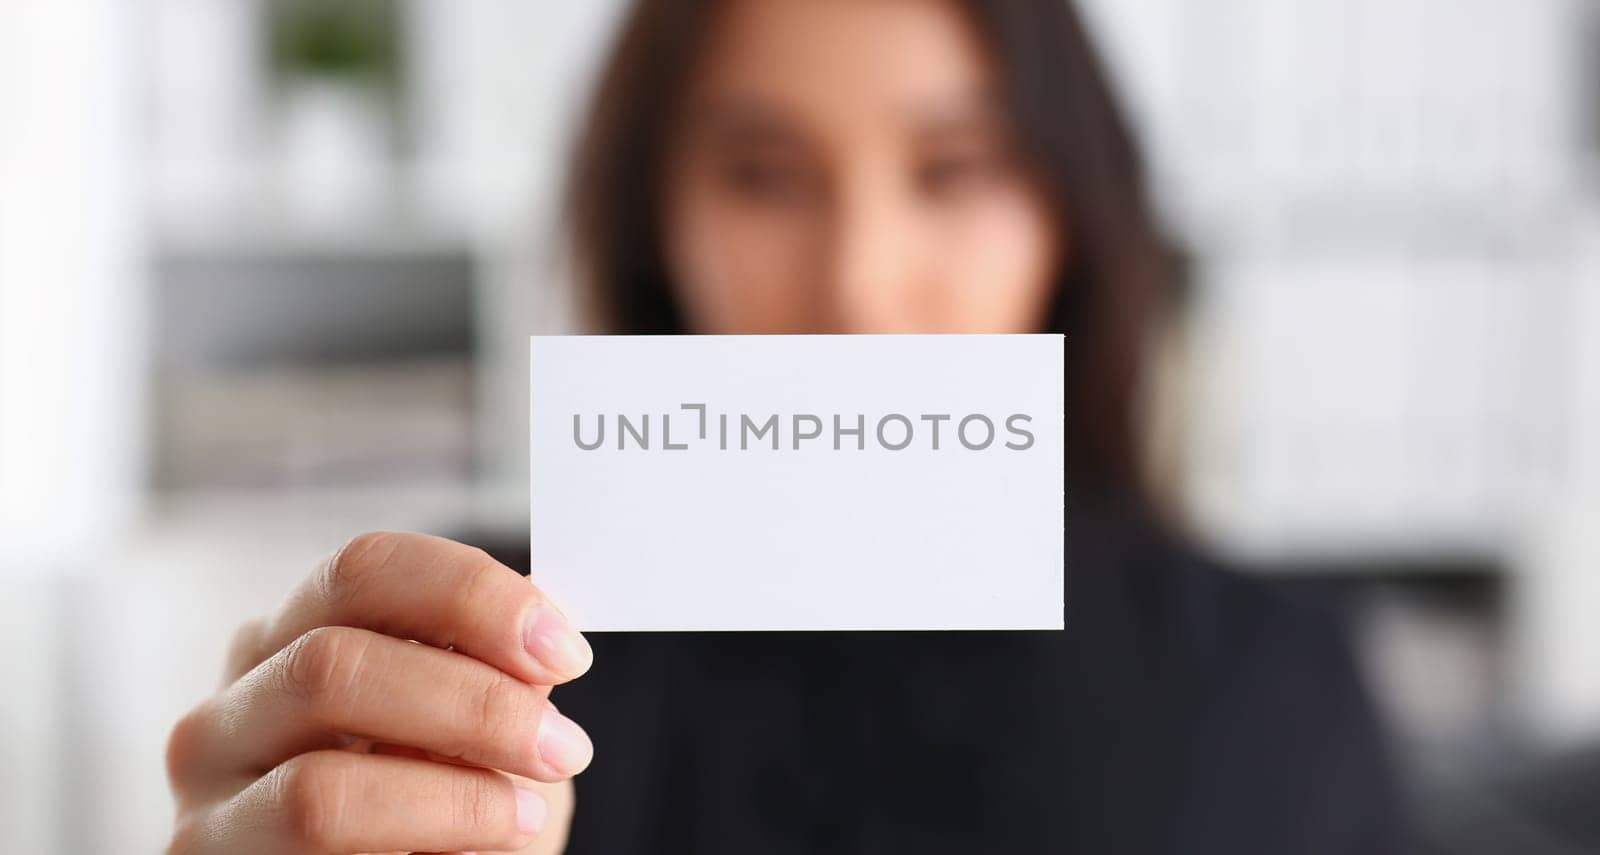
[[70, 280], [70, 300]]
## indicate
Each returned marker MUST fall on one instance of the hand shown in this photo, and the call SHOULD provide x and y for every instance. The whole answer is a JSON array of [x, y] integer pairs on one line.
[[335, 733]]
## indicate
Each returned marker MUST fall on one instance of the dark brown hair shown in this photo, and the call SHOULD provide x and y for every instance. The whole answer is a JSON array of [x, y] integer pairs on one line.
[[1071, 132]]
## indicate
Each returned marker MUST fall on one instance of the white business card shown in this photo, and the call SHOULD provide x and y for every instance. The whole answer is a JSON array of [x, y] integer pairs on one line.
[[799, 482]]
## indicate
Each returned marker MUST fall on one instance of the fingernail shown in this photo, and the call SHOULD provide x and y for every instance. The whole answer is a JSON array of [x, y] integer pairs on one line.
[[563, 746], [531, 811], [553, 641]]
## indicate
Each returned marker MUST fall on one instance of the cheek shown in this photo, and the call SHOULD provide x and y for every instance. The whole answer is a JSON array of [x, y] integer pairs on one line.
[[996, 267], [737, 269]]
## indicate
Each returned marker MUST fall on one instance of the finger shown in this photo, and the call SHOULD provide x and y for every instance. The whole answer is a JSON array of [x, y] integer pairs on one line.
[[560, 801], [438, 592], [341, 802], [336, 682]]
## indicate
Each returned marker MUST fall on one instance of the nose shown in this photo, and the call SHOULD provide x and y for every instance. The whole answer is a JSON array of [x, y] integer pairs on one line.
[[869, 262]]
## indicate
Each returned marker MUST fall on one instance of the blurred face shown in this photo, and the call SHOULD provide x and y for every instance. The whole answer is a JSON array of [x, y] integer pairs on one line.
[[843, 166]]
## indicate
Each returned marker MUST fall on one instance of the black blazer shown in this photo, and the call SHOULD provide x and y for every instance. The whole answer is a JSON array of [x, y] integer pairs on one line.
[[1183, 710]]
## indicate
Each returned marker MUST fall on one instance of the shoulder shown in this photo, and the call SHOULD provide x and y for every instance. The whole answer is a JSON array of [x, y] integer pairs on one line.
[[1124, 566]]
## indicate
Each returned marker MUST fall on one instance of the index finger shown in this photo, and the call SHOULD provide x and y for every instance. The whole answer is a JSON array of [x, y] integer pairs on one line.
[[439, 592]]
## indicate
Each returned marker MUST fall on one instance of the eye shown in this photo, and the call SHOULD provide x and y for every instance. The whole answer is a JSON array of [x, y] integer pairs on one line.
[[766, 179], [952, 174]]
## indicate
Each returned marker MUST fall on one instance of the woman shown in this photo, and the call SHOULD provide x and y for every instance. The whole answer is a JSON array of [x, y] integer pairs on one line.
[[819, 166]]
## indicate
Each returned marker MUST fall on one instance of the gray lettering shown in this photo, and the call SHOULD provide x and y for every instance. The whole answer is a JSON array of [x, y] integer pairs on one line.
[[625, 428], [1023, 432], [935, 419], [600, 422], [859, 432], [812, 434], [961, 431], [746, 425], [894, 417], [702, 409], [666, 435]]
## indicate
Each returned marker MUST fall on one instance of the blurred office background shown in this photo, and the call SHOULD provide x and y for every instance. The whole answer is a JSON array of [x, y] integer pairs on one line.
[[267, 270]]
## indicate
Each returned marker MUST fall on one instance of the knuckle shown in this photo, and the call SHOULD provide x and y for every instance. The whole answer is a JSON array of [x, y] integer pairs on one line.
[[476, 557], [355, 563], [481, 576], [480, 567], [501, 712], [323, 666], [479, 806], [312, 792]]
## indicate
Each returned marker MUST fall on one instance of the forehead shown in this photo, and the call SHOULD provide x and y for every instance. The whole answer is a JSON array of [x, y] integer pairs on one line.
[[844, 61]]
